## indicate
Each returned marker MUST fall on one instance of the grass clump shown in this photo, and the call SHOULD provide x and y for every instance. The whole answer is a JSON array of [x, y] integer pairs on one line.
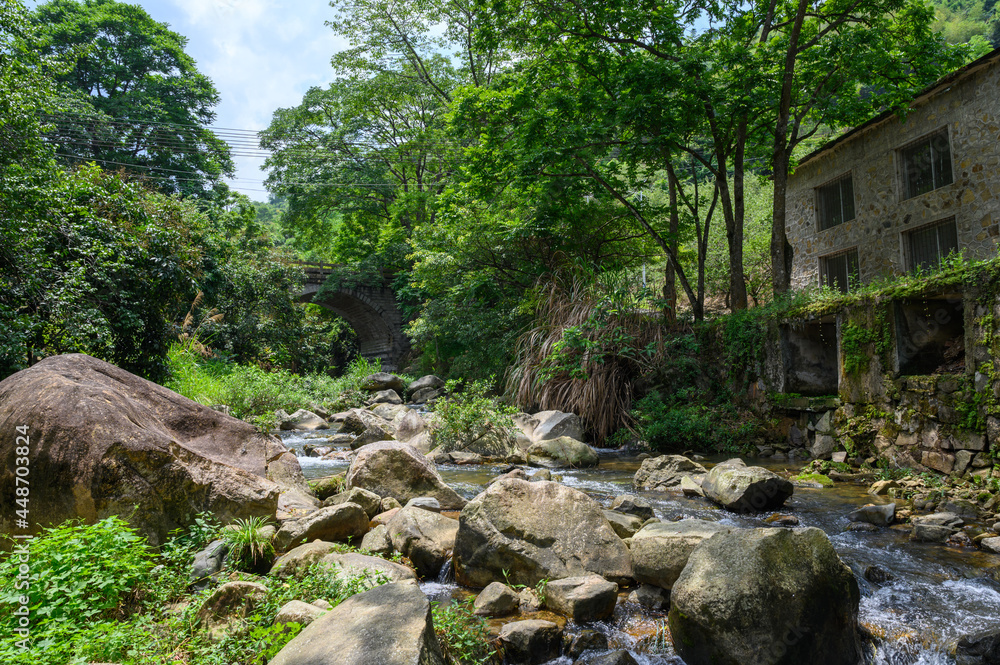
[[250, 550], [254, 394], [100, 593], [463, 636]]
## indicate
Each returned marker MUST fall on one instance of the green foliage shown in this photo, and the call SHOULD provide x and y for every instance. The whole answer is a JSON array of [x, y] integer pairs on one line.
[[133, 97], [470, 415], [676, 423], [249, 549], [97, 597], [78, 572], [463, 636], [815, 478]]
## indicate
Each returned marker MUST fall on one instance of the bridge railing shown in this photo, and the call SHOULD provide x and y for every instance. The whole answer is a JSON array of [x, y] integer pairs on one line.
[[316, 273]]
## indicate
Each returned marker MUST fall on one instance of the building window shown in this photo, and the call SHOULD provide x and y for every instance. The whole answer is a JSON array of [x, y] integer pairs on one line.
[[840, 271], [926, 164], [929, 244], [835, 202]]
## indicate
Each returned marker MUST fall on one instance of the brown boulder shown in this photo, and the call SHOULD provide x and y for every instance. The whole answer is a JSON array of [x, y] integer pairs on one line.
[[397, 470], [105, 442]]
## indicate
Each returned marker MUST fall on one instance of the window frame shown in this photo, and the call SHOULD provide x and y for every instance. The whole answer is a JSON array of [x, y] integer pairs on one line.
[[902, 161], [908, 252], [823, 262], [818, 200]]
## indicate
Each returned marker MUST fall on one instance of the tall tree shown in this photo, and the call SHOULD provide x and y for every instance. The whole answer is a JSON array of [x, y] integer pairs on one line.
[[134, 98]]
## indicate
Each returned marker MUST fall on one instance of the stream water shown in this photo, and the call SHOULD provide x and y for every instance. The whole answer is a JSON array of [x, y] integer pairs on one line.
[[938, 593]]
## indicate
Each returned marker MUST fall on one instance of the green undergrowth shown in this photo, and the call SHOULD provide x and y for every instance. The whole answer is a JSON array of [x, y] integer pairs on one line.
[[254, 394], [820, 478], [463, 636], [100, 593]]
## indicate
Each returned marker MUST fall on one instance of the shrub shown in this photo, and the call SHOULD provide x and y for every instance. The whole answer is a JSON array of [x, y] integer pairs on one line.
[[462, 635], [470, 415], [675, 424]]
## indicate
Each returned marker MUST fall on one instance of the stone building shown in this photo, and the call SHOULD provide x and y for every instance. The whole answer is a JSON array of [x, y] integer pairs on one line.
[[892, 195]]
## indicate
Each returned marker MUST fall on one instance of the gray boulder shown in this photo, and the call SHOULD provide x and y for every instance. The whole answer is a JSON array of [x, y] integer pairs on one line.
[[555, 425], [745, 489], [582, 599], [355, 632], [426, 538], [496, 600], [660, 551], [297, 611], [991, 544], [653, 597], [534, 531], [879, 515], [632, 505], [382, 381], [530, 642], [410, 426], [426, 395], [296, 562], [562, 452], [375, 570], [768, 597], [424, 503], [397, 470], [377, 540], [370, 502], [342, 522], [624, 525], [367, 427], [207, 563], [303, 419], [664, 473], [425, 382], [934, 528], [386, 397]]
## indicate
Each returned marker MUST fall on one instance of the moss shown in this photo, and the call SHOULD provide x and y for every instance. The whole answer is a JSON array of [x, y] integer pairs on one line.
[[823, 480]]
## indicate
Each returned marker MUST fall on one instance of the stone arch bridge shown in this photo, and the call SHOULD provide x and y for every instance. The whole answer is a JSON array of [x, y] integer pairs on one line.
[[370, 310]]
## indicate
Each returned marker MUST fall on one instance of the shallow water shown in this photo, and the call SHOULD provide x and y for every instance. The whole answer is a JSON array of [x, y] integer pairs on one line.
[[939, 593]]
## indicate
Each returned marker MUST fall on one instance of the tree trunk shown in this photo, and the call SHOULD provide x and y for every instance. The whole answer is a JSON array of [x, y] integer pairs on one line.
[[780, 253], [670, 276]]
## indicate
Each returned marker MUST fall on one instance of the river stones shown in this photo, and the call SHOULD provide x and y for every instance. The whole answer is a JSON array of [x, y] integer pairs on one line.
[[561, 453], [768, 597], [428, 381], [303, 419], [297, 561], [367, 427], [379, 381], [632, 505], [386, 397], [660, 551], [745, 489], [624, 525], [297, 611], [370, 502], [546, 425], [879, 515], [664, 473], [106, 442], [531, 531], [374, 569], [530, 642], [344, 521], [411, 425], [388, 625], [496, 600], [426, 538], [582, 599], [397, 470]]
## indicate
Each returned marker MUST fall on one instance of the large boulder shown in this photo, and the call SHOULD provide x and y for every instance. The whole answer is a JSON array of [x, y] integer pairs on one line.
[[367, 427], [562, 452], [425, 537], [582, 599], [529, 531], [303, 419], [375, 570], [387, 625], [496, 600], [427, 382], [768, 597], [397, 470], [369, 501], [296, 562], [546, 425], [664, 473], [660, 551], [530, 642], [382, 381], [745, 489], [344, 521], [410, 426], [102, 441]]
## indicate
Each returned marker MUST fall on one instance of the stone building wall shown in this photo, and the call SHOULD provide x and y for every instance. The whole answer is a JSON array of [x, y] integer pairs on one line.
[[968, 108]]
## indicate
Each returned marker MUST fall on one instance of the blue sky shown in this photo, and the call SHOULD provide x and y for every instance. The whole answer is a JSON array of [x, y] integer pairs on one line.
[[261, 55]]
